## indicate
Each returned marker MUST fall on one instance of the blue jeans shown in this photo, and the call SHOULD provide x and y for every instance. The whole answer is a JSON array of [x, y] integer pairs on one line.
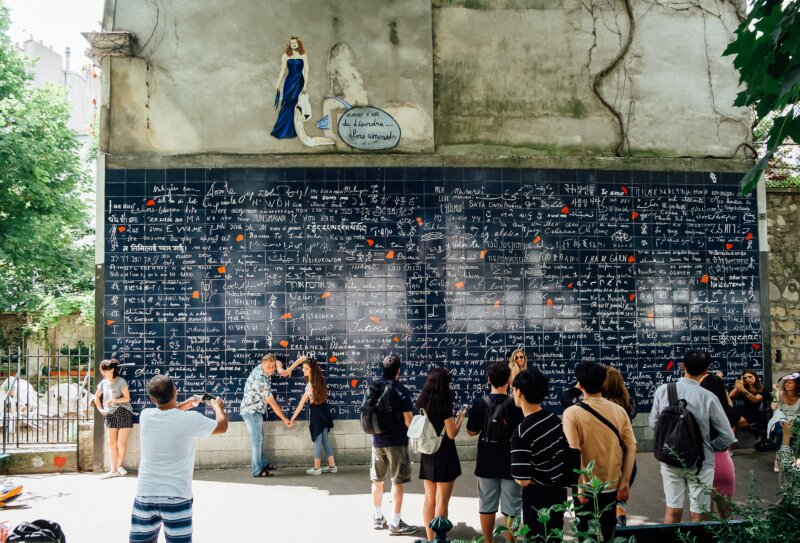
[[255, 425], [322, 442]]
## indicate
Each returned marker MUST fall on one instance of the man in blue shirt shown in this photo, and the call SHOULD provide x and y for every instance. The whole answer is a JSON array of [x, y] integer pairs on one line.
[[708, 413], [390, 455]]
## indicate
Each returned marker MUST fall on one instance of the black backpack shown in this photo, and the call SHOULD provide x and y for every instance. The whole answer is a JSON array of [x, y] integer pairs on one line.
[[496, 432], [678, 434], [380, 411], [38, 531]]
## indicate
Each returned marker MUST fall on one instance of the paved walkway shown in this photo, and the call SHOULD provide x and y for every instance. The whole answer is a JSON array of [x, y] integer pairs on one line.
[[231, 506]]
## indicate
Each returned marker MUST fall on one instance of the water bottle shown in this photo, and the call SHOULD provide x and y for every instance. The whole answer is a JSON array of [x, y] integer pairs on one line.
[[621, 518]]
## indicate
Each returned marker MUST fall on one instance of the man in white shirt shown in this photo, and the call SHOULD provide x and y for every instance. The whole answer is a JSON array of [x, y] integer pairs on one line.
[[169, 437]]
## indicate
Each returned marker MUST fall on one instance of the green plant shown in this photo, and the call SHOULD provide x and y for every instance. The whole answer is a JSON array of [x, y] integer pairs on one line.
[[766, 54], [519, 532], [54, 308]]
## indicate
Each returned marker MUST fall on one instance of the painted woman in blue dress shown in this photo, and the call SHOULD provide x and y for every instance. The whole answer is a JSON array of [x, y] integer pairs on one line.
[[294, 65]]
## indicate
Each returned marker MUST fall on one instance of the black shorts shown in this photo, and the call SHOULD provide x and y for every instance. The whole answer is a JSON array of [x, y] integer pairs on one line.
[[120, 418]]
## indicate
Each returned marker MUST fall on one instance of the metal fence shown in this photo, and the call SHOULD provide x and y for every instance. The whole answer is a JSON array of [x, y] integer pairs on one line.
[[45, 396]]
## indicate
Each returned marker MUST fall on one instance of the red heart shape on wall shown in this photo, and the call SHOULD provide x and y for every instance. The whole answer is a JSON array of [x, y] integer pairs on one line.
[[60, 461]]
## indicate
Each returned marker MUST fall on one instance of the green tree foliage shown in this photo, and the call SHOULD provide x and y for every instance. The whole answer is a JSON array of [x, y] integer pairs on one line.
[[767, 55], [42, 180]]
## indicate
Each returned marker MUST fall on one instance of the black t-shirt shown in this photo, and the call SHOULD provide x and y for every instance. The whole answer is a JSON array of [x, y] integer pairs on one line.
[[398, 435], [492, 464]]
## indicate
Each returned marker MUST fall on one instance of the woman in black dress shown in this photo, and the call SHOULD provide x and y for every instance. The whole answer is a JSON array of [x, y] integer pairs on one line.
[[440, 469]]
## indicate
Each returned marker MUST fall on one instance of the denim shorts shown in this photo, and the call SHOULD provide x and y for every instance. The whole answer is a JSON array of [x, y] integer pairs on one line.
[[495, 492]]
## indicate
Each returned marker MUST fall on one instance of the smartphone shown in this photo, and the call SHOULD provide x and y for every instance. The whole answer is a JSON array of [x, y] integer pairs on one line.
[[208, 397]]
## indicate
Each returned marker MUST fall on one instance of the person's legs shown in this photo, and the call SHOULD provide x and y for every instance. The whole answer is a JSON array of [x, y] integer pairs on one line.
[[378, 469], [145, 522], [443, 493], [510, 503], [537, 497], [488, 501], [113, 436], [608, 513], [254, 423], [674, 484], [700, 494], [122, 445], [318, 451], [328, 447], [429, 506], [177, 515]]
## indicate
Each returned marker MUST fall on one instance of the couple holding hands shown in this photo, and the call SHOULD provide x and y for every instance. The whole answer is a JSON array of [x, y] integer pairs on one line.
[[258, 395]]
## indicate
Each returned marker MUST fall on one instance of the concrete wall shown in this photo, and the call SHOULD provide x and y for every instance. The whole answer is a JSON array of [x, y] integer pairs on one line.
[[783, 221], [530, 77], [501, 77], [203, 78]]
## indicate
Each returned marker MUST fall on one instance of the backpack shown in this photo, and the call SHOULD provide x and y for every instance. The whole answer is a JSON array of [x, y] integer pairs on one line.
[[677, 433], [38, 531], [496, 432], [379, 410], [422, 436]]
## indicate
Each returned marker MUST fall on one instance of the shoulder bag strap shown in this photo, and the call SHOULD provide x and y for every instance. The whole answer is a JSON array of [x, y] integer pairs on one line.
[[605, 421]]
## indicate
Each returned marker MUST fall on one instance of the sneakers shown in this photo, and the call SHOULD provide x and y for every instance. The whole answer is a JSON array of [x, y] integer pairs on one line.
[[401, 529], [379, 523], [122, 472], [110, 474], [329, 469], [313, 471]]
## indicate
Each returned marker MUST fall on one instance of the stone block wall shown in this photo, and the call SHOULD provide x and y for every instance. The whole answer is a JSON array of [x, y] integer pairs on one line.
[[783, 228], [284, 447]]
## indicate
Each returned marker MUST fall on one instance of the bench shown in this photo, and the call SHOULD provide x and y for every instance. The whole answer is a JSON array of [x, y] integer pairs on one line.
[[699, 532]]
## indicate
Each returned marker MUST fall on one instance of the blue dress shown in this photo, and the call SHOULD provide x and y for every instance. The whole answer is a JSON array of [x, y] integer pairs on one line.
[[292, 86]]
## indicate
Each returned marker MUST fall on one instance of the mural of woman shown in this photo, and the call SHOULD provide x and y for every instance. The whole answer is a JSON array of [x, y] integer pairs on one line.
[[294, 65]]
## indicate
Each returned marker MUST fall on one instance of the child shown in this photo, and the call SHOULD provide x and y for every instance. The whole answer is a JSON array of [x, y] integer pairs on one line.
[[321, 421], [114, 397]]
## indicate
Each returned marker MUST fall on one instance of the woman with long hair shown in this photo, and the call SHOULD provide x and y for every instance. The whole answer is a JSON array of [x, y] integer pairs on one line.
[[724, 472], [439, 470], [294, 65], [517, 362], [750, 391], [614, 390], [321, 421], [115, 398]]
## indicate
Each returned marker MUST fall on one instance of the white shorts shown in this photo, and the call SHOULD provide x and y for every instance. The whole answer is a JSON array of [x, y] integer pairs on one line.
[[676, 482]]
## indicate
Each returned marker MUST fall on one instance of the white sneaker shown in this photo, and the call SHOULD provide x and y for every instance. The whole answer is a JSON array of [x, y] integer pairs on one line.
[[314, 471], [109, 475], [122, 471], [329, 469]]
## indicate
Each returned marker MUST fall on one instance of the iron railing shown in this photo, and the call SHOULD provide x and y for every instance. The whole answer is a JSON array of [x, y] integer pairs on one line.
[[45, 396]]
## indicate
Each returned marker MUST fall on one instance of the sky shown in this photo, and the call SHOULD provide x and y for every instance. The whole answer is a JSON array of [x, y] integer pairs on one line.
[[57, 23]]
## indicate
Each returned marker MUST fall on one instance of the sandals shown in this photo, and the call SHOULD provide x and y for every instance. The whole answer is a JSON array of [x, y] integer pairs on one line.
[[264, 473], [270, 467]]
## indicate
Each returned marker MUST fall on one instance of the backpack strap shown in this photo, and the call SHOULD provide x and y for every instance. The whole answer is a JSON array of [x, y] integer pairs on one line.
[[605, 421], [672, 393]]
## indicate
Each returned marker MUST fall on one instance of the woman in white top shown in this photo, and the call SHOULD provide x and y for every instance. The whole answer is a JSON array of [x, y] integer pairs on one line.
[[786, 406], [113, 400]]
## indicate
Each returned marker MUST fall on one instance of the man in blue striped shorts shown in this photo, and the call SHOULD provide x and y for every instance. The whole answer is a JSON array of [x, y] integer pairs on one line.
[[168, 438]]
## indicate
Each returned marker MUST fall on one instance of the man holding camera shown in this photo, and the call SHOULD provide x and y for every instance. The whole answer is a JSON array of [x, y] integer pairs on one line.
[[169, 437]]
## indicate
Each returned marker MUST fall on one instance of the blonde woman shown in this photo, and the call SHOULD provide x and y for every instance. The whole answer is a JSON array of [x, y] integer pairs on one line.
[[517, 362]]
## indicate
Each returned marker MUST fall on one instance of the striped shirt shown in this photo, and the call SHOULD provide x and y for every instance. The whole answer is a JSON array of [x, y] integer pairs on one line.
[[539, 450]]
